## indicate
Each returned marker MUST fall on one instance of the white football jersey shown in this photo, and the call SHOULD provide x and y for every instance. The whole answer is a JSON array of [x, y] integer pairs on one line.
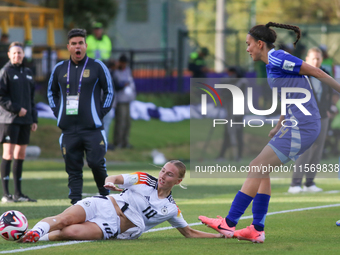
[[140, 192]]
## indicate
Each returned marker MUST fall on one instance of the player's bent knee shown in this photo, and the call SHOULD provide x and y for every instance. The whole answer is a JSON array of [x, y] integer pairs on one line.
[[69, 234], [64, 221]]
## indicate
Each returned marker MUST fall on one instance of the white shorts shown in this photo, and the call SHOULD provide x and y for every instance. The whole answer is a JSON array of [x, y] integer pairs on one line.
[[132, 214], [100, 210]]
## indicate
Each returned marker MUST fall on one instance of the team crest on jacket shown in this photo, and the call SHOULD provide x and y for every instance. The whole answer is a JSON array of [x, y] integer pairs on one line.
[[86, 73]]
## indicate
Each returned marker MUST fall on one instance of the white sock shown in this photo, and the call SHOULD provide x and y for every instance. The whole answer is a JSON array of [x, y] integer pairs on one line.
[[42, 228], [44, 238]]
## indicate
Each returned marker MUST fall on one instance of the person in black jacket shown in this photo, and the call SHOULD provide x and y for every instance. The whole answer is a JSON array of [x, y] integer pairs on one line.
[[308, 162], [18, 117], [80, 93]]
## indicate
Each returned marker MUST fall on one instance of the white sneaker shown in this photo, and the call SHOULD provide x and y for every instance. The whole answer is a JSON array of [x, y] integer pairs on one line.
[[294, 189], [312, 188], [7, 199]]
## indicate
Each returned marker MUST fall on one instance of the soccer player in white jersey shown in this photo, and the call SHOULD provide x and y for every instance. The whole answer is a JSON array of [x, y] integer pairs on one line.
[[144, 202], [288, 142]]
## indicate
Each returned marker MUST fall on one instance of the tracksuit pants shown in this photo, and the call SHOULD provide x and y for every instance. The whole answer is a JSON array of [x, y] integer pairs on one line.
[[73, 146]]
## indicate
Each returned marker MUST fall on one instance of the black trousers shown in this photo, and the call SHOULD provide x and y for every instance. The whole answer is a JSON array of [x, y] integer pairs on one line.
[[73, 146]]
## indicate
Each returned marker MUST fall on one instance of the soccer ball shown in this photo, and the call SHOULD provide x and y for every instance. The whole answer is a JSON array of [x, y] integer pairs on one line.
[[13, 225]]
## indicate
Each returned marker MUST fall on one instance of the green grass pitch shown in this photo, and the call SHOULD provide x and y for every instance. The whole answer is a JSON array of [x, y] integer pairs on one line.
[[311, 231]]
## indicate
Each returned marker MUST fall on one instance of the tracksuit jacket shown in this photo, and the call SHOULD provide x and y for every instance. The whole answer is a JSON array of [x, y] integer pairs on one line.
[[17, 91], [96, 94]]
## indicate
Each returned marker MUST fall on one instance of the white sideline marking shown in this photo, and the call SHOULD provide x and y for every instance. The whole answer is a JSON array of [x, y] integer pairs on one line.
[[165, 228], [43, 247], [332, 191]]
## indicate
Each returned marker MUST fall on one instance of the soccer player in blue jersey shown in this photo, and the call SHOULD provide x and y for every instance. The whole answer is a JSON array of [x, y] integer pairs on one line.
[[284, 73]]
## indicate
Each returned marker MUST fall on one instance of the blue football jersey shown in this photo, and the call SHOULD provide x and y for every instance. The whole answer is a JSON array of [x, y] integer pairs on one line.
[[283, 71]]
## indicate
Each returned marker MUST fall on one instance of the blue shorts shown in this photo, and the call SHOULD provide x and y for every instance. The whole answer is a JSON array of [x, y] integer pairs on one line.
[[290, 142]]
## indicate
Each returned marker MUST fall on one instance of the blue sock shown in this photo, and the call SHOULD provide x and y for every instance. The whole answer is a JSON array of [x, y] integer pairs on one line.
[[260, 209], [238, 206]]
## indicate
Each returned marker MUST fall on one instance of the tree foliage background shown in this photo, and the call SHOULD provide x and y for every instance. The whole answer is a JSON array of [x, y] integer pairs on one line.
[[298, 11], [82, 13], [201, 16]]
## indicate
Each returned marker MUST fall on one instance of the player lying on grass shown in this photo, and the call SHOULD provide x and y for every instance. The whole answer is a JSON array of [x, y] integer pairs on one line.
[[144, 203]]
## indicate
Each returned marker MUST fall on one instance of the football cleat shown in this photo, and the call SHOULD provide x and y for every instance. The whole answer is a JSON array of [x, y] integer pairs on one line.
[[250, 234], [7, 199], [219, 225], [23, 198], [31, 236]]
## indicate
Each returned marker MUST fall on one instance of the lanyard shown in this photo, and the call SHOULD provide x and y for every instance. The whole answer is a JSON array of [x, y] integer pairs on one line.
[[80, 79]]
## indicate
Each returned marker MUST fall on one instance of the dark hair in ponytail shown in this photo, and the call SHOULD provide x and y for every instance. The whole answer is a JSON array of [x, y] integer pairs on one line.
[[296, 29], [268, 35]]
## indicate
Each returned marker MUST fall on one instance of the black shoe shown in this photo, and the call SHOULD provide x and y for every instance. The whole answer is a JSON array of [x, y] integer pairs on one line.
[[23, 198], [7, 199], [74, 201]]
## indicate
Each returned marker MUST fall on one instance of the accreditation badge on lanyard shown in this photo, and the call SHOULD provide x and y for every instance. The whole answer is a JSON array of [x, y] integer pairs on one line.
[[72, 102]]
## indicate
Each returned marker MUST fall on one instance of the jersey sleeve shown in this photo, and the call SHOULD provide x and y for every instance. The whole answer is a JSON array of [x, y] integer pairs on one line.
[[138, 178], [5, 96], [54, 93], [105, 82], [286, 62], [178, 221]]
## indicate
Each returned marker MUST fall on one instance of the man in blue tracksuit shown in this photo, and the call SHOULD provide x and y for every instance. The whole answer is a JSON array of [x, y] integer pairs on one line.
[[80, 93]]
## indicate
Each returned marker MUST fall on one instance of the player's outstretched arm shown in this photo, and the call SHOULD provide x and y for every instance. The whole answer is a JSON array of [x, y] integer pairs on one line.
[[189, 232], [309, 70], [111, 181]]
